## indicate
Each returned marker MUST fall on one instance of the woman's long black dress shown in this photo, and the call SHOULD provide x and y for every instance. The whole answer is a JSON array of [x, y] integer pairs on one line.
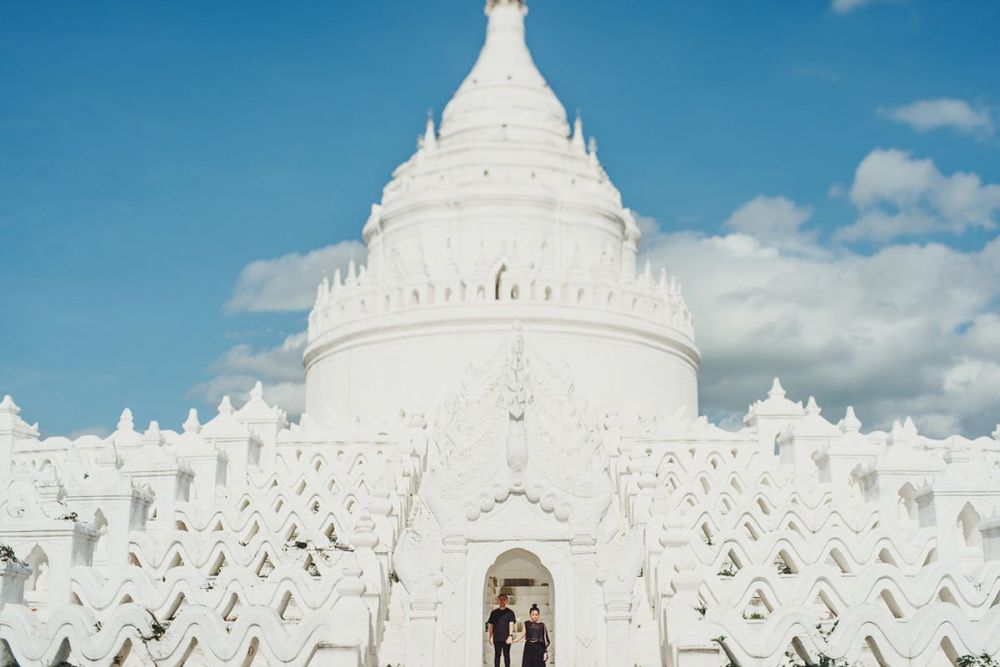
[[536, 644]]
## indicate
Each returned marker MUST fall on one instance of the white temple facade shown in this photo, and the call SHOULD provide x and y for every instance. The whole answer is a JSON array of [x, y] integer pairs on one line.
[[499, 400]]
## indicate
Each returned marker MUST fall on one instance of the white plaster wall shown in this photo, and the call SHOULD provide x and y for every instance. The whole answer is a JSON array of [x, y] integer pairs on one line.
[[416, 358]]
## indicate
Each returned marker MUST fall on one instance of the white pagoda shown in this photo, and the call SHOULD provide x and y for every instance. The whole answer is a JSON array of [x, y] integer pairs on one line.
[[499, 400]]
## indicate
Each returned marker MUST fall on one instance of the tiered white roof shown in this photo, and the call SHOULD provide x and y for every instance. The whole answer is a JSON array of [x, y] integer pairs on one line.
[[503, 214], [503, 167]]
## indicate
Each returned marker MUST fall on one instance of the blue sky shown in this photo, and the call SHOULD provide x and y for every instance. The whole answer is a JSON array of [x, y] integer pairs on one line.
[[150, 152]]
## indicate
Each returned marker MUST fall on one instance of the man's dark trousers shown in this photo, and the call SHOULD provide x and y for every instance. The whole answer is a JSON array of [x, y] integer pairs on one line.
[[501, 648]]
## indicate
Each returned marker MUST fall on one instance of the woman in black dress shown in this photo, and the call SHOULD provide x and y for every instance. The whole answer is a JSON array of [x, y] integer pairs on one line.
[[536, 638]]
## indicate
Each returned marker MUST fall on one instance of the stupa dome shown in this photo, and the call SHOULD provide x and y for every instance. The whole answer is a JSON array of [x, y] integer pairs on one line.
[[503, 213]]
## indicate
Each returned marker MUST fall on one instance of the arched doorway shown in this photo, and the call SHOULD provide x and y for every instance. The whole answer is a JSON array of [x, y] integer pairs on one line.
[[498, 282], [36, 588], [100, 522], [521, 575]]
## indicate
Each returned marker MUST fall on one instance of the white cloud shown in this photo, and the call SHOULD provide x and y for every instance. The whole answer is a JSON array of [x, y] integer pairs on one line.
[[926, 115], [289, 283], [775, 218], [898, 195], [847, 6], [911, 329], [278, 367]]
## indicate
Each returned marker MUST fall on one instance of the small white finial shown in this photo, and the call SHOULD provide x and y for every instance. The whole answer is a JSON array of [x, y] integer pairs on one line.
[[152, 434], [191, 424], [8, 406], [909, 426], [996, 433], [850, 422], [777, 391], [647, 272], [812, 408], [663, 278], [577, 141], [225, 407], [430, 136], [337, 280], [592, 148], [352, 273], [125, 422], [257, 393]]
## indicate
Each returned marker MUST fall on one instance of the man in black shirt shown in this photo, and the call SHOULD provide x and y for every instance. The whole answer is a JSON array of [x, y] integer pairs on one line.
[[501, 629]]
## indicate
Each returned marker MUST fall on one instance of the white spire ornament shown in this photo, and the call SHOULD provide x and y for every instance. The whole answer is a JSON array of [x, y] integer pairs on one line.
[[777, 391], [430, 136], [191, 424], [850, 423], [577, 140]]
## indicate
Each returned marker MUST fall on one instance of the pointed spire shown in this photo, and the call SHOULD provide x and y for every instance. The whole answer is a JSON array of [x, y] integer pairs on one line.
[[996, 433], [226, 406], [352, 273], [647, 273], [338, 282], [663, 279], [904, 432], [577, 141], [8, 406], [191, 424], [257, 393], [850, 423], [777, 391], [812, 407], [430, 135], [125, 422], [592, 149], [152, 435]]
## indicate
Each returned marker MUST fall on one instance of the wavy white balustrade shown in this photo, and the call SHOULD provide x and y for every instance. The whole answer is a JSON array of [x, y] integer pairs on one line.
[[772, 569]]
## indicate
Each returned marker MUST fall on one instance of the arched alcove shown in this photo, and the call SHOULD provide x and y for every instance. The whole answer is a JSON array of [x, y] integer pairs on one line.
[[968, 526], [100, 522], [37, 586], [497, 287], [526, 581], [906, 508]]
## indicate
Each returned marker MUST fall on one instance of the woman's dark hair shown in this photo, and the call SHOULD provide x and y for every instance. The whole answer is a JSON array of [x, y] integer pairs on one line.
[[534, 607]]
